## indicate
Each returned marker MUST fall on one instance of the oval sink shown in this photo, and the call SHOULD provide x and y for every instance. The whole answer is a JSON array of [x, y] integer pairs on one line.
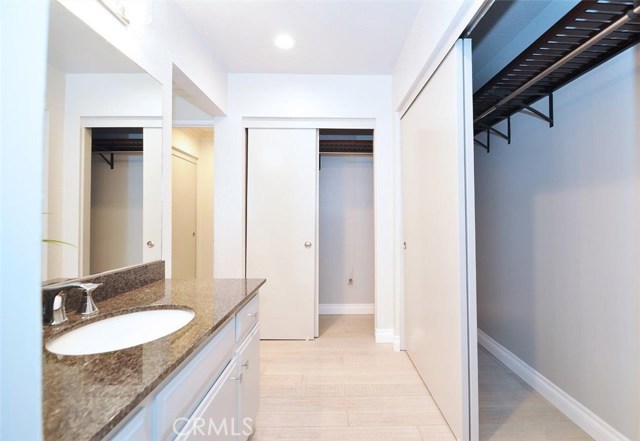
[[120, 331]]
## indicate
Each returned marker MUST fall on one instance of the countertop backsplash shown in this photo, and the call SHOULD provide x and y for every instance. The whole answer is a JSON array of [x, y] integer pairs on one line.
[[115, 282]]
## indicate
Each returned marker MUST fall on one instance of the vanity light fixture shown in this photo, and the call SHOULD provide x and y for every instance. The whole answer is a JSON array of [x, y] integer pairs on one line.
[[285, 41]]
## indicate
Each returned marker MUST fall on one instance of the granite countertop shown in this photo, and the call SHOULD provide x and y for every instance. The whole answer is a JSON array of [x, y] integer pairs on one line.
[[85, 397]]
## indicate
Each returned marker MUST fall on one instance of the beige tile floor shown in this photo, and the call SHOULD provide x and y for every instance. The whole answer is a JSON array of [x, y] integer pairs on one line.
[[345, 387], [342, 387]]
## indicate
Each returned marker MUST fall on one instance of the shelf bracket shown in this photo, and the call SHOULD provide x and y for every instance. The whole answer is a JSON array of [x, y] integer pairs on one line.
[[505, 136], [547, 118], [110, 161], [486, 146]]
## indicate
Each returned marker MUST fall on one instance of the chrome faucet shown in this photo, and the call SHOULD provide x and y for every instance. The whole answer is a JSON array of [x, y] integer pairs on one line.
[[54, 310]]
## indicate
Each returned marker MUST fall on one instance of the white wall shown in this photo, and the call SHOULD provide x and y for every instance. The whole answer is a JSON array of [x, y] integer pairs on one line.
[[437, 26], [305, 96], [52, 202], [23, 52], [346, 227], [558, 241], [186, 142], [116, 212], [169, 39], [183, 110]]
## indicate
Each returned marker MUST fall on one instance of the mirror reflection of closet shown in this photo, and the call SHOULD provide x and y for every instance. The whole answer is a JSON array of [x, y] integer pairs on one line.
[[95, 92], [116, 198]]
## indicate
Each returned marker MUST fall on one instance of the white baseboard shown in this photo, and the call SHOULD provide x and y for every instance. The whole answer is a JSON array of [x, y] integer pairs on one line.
[[384, 335], [588, 421], [346, 308]]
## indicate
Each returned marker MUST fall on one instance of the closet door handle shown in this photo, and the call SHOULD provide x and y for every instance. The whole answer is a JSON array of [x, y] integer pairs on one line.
[[307, 245]]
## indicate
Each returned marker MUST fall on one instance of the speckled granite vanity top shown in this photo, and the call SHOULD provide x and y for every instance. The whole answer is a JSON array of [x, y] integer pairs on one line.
[[87, 396]]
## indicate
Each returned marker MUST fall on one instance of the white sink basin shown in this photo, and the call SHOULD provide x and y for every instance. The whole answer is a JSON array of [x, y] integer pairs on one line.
[[120, 331]]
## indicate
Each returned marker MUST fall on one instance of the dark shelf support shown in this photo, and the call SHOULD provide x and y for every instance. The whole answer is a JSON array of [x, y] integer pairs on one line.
[[110, 162], [547, 118], [486, 146], [507, 136]]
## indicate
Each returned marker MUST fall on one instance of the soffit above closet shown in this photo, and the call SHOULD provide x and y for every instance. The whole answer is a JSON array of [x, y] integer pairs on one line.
[[333, 37]]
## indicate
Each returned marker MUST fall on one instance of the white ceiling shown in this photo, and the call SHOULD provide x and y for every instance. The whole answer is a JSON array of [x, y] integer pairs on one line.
[[76, 48], [334, 36]]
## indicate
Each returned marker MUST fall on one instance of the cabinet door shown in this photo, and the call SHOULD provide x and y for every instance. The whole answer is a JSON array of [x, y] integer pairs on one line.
[[438, 214], [138, 428], [177, 399], [281, 228], [249, 397], [216, 418]]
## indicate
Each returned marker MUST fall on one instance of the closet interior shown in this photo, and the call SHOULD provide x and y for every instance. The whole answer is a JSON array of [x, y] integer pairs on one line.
[[554, 171], [346, 233]]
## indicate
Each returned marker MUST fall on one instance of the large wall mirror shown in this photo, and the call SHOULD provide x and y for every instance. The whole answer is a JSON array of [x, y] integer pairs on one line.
[[102, 204]]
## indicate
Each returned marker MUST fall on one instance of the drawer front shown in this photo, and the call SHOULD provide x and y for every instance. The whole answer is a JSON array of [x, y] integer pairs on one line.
[[180, 396], [216, 418], [246, 318]]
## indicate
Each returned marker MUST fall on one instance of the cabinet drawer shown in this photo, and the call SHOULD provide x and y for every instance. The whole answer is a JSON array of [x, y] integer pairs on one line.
[[180, 395], [215, 418], [246, 318]]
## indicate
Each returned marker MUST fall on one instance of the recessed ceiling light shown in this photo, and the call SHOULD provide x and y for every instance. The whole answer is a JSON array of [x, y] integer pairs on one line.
[[284, 41]]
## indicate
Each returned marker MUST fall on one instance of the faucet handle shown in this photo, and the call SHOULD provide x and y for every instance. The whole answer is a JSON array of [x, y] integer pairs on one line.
[[87, 306], [53, 309]]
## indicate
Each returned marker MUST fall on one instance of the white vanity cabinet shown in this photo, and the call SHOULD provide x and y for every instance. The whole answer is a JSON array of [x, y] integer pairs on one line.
[[214, 395], [216, 416], [249, 371]]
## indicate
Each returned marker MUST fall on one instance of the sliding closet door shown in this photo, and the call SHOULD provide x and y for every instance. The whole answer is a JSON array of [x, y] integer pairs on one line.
[[281, 228], [437, 180]]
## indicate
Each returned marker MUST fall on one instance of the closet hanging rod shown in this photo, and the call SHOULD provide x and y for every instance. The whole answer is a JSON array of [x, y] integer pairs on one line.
[[631, 15]]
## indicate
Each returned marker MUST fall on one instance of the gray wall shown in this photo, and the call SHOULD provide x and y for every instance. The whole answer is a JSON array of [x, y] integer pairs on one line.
[[346, 230], [558, 243], [116, 212]]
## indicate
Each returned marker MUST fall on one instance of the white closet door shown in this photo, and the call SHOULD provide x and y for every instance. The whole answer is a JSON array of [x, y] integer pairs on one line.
[[281, 228], [152, 194], [438, 213]]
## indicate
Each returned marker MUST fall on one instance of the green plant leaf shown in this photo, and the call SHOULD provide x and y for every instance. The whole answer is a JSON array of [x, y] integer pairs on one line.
[[57, 242]]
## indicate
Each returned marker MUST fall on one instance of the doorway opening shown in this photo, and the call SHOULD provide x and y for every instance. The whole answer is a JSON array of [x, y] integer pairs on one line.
[[120, 199], [346, 270], [192, 203], [116, 198]]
